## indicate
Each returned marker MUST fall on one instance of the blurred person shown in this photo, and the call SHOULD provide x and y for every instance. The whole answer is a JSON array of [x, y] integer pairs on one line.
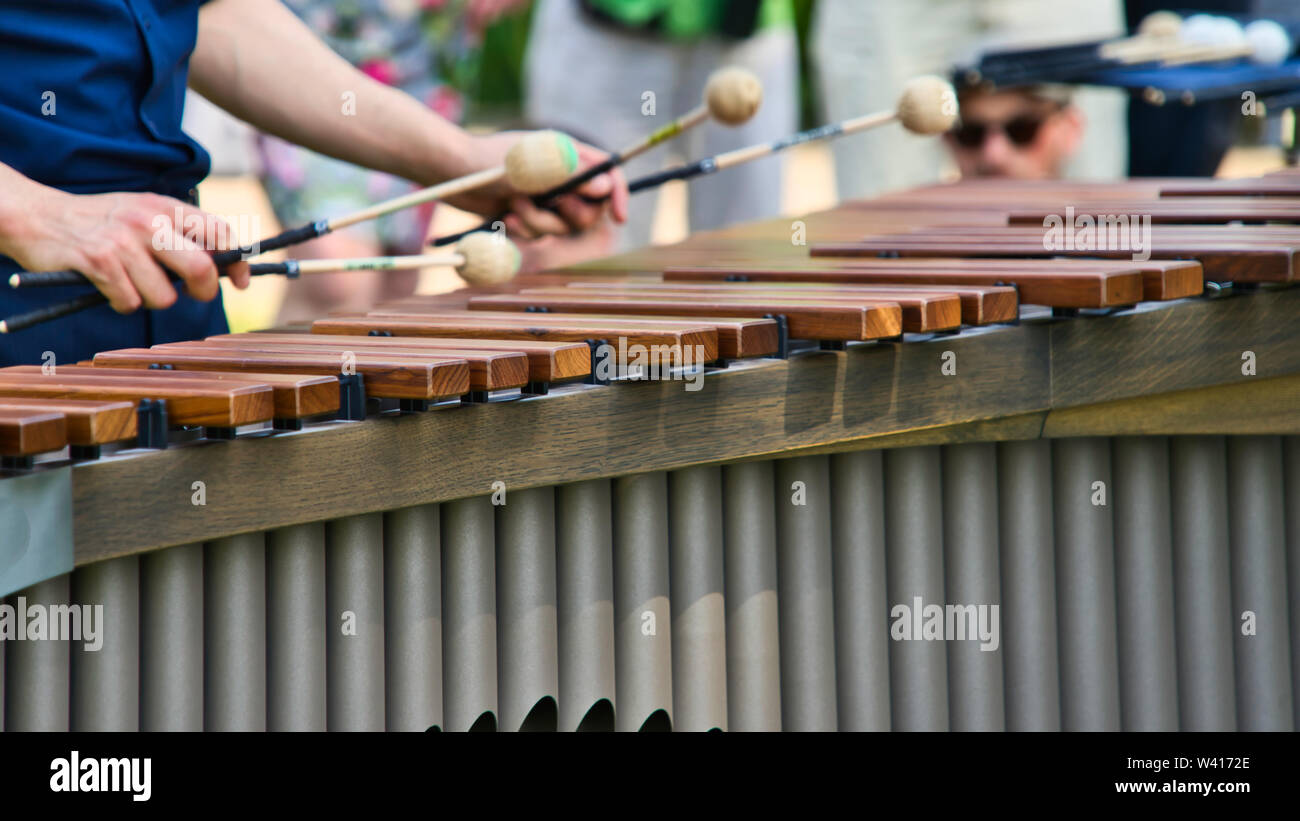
[[1027, 133], [431, 51], [1206, 129], [619, 69], [93, 155], [863, 52]]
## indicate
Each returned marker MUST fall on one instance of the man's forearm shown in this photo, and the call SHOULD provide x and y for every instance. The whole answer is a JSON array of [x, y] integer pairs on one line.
[[258, 61]]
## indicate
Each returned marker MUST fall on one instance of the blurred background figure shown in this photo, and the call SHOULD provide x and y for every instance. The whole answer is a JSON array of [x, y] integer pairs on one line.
[[430, 50], [1022, 133], [1207, 129], [615, 70], [864, 50]]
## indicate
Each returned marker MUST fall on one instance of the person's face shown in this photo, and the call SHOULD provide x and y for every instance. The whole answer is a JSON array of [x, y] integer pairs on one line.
[[1010, 134]]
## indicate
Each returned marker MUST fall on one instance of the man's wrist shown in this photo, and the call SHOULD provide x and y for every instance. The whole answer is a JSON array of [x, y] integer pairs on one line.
[[20, 200], [447, 155]]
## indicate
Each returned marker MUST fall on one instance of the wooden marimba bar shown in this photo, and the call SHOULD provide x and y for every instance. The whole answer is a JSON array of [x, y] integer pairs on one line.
[[493, 508]]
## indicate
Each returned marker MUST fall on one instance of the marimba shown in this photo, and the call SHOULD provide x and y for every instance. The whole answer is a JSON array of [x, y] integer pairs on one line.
[[711, 485]]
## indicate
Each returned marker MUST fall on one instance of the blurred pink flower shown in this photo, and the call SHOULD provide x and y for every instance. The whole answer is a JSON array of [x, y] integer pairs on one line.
[[281, 160], [432, 4], [447, 103], [385, 71]]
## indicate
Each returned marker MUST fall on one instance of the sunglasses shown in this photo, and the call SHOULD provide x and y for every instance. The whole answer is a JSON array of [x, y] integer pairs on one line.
[[1021, 131]]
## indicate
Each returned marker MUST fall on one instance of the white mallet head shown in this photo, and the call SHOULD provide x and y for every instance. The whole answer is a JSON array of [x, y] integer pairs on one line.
[[1269, 42], [733, 95], [1229, 32], [540, 161], [1161, 24], [490, 258], [928, 105], [1201, 30]]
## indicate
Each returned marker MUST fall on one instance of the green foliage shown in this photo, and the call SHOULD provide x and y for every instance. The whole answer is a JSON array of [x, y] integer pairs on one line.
[[808, 111], [498, 93]]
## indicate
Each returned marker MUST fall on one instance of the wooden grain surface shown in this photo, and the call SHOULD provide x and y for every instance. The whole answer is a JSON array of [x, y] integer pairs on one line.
[[575, 433], [806, 320], [1179, 210], [1008, 380], [547, 361], [209, 402], [294, 396], [1258, 405], [26, 432], [90, 422], [737, 337], [979, 304], [385, 376], [516, 326], [1147, 352], [922, 312], [1246, 263], [488, 370], [1270, 187], [1058, 283]]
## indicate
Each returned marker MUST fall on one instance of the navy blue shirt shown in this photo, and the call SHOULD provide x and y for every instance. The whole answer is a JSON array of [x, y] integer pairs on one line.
[[91, 97]]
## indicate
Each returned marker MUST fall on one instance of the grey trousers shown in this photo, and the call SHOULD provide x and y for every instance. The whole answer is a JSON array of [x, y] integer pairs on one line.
[[613, 88]]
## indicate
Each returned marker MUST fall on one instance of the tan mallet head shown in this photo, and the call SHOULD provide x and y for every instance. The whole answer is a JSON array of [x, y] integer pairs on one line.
[[1161, 24], [490, 258], [540, 161], [928, 105], [733, 95]]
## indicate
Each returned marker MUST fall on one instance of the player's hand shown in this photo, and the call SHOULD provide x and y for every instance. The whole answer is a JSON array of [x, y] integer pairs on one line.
[[569, 214], [121, 242]]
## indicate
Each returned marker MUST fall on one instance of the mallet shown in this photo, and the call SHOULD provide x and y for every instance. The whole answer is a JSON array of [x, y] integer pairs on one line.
[[928, 105], [537, 162], [481, 258], [731, 97]]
